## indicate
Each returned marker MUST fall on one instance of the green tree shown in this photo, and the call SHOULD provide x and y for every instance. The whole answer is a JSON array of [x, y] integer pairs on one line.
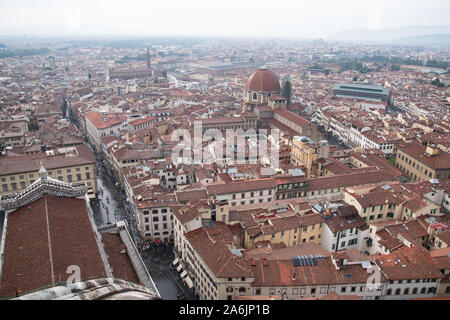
[[437, 82], [286, 92]]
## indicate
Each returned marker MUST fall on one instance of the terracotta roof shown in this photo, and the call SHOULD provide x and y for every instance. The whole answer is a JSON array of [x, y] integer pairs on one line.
[[408, 263], [286, 223], [372, 199], [444, 236], [293, 117], [337, 167], [417, 151], [348, 180], [211, 245], [388, 241], [375, 158], [293, 179], [263, 80], [303, 249], [281, 273], [411, 230], [50, 233], [185, 214], [242, 186], [415, 203], [345, 218], [137, 122], [108, 139], [128, 153], [103, 121], [277, 97], [118, 258], [31, 163], [160, 201], [221, 120], [282, 127], [191, 195]]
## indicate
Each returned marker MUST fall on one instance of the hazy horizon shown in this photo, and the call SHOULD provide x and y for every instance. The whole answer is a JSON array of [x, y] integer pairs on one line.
[[283, 19]]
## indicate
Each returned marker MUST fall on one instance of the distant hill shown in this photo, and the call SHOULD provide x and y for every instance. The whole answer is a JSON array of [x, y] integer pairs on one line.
[[387, 35], [430, 39]]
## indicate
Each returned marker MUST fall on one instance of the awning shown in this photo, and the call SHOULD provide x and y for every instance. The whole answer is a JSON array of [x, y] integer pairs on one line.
[[188, 282], [183, 274], [175, 261], [179, 268]]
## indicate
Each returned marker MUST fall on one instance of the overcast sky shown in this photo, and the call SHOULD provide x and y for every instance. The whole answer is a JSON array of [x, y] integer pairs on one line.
[[272, 18]]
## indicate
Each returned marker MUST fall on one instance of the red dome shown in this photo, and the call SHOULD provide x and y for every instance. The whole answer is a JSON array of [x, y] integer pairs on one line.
[[263, 80]]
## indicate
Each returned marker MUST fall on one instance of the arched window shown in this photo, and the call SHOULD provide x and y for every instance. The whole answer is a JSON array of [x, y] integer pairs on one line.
[[390, 215], [406, 291], [242, 289], [423, 290], [255, 96], [397, 292], [414, 291], [389, 292]]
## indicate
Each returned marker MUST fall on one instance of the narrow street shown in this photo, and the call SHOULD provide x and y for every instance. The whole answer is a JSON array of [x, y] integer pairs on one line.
[[107, 207], [158, 259], [110, 207]]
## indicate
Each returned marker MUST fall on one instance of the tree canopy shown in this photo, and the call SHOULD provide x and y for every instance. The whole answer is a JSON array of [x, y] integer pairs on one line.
[[286, 91]]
